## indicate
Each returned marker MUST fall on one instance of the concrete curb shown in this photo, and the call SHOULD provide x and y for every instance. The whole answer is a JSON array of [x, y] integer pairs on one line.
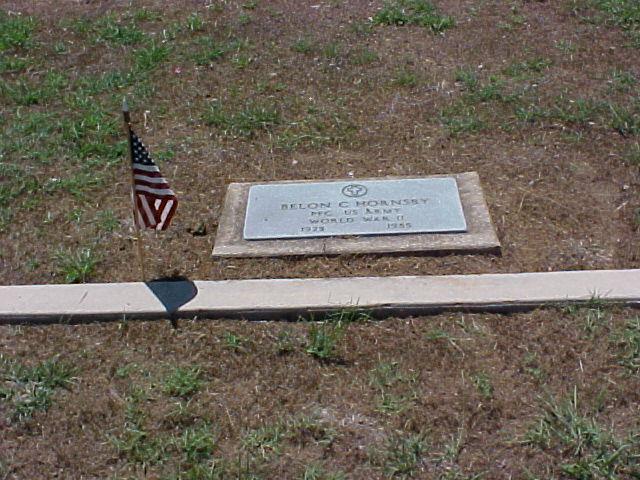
[[290, 298]]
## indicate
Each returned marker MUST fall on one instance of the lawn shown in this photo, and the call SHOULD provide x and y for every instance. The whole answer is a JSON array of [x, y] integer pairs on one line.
[[540, 98], [550, 394]]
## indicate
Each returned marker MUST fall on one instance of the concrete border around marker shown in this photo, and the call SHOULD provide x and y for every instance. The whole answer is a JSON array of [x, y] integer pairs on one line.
[[291, 298], [480, 236]]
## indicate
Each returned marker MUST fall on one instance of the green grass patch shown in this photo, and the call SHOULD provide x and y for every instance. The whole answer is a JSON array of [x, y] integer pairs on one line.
[[589, 451], [332, 50], [460, 119], [107, 221], [30, 389], [622, 13], [183, 382], [413, 12], [15, 181], [405, 77], [196, 443], [248, 121], [303, 45], [526, 67], [403, 454], [317, 472], [13, 64], [632, 154], [114, 31], [16, 31], [234, 342], [195, 22], [628, 343], [323, 339], [135, 443], [76, 266], [623, 80], [210, 52], [626, 119], [265, 440], [364, 56], [150, 57], [483, 384]]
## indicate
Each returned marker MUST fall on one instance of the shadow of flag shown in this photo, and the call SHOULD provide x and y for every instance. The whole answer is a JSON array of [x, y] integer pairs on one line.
[[173, 293]]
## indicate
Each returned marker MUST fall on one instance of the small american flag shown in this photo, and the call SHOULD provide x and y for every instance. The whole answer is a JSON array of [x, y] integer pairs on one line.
[[154, 201]]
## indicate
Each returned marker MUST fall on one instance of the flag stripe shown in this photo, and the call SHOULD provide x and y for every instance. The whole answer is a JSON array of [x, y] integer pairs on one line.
[[146, 168], [156, 191], [150, 217], [142, 173], [148, 179]]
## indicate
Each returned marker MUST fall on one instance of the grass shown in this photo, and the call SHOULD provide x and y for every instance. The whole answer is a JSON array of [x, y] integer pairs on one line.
[[183, 382], [107, 221], [16, 31], [13, 64], [403, 455], [211, 51], [632, 154], [622, 13], [626, 120], [264, 440], [405, 78], [317, 472], [341, 97], [197, 443], [364, 56], [531, 365], [150, 57], [386, 374], [303, 45], [524, 68], [135, 443], [623, 80], [234, 342], [323, 339], [413, 12], [30, 389], [285, 343], [111, 30], [482, 382], [628, 343], [592, 451], [246, 122], [195, 22], [460, 119], [76, 266], [594, 319]]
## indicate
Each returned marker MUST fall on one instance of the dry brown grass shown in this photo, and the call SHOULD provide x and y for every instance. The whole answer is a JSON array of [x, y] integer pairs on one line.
[[472, 388]]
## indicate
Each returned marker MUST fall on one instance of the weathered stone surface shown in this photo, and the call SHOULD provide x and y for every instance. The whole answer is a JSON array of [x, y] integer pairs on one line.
[[368, 207], [479, 236]]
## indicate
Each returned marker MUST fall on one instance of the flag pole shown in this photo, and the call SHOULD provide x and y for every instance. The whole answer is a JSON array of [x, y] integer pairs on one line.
[[127, 129]]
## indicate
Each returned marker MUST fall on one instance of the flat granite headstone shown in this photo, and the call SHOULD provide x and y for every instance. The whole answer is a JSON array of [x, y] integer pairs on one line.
[[439, 213], [369, 207]]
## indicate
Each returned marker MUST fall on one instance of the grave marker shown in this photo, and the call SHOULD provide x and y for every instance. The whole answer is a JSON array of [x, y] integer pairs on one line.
[[441, 213], [369, 207]]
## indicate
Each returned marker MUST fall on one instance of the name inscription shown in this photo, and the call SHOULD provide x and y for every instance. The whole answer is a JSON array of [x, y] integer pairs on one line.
[[372, 207]]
